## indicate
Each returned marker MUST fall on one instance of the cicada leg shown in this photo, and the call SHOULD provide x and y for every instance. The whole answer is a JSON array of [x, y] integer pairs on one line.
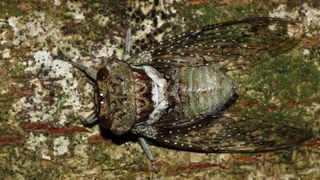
[[91, 73], [90, 120], [146, 148]]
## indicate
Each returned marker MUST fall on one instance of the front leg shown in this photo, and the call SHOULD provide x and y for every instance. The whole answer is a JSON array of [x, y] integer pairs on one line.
[[90, 121]]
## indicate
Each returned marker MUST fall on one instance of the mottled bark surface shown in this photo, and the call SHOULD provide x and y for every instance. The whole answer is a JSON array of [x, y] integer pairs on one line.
[[42, 96]]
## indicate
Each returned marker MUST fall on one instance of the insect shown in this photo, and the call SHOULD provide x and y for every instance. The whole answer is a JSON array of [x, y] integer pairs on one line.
[[173, 93]]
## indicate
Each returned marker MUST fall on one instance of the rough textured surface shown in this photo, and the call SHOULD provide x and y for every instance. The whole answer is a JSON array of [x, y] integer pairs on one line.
[[42, 96]]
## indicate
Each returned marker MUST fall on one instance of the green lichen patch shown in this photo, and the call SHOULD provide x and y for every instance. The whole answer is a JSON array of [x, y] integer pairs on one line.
[[15, 8], [212, 12], [287, 76], [282, 88], [21, 162]]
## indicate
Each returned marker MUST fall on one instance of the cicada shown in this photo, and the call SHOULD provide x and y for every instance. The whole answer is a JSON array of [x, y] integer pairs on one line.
[[173, 92]]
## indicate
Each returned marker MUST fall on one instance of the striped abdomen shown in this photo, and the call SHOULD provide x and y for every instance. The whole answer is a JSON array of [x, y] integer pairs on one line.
[[201, 91]]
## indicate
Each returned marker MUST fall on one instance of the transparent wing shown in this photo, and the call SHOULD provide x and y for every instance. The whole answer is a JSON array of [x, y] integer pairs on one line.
[[227, 44], [231, 135]]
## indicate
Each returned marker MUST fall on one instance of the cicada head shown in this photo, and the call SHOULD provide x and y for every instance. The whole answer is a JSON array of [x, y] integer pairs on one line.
[[115, 97]]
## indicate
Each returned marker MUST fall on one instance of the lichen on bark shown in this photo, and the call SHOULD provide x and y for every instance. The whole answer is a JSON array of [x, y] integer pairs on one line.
[[42, 96]]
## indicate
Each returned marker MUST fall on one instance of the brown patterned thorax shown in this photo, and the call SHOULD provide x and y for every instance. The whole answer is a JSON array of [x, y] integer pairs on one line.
[[142, 91]]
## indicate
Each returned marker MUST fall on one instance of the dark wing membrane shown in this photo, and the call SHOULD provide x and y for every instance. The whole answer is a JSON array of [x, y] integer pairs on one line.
[[231, 135], [225, 43]]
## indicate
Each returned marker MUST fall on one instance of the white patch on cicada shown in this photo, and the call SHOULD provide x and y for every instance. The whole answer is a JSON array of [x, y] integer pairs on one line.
[[159, 93]]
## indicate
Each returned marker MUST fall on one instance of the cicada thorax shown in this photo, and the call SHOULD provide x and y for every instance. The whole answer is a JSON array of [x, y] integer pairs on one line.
[[143, 95], [123, 96]]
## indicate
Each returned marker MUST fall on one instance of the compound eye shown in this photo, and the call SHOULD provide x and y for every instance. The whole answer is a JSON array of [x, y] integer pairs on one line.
[[105, 122], [102, 74]]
